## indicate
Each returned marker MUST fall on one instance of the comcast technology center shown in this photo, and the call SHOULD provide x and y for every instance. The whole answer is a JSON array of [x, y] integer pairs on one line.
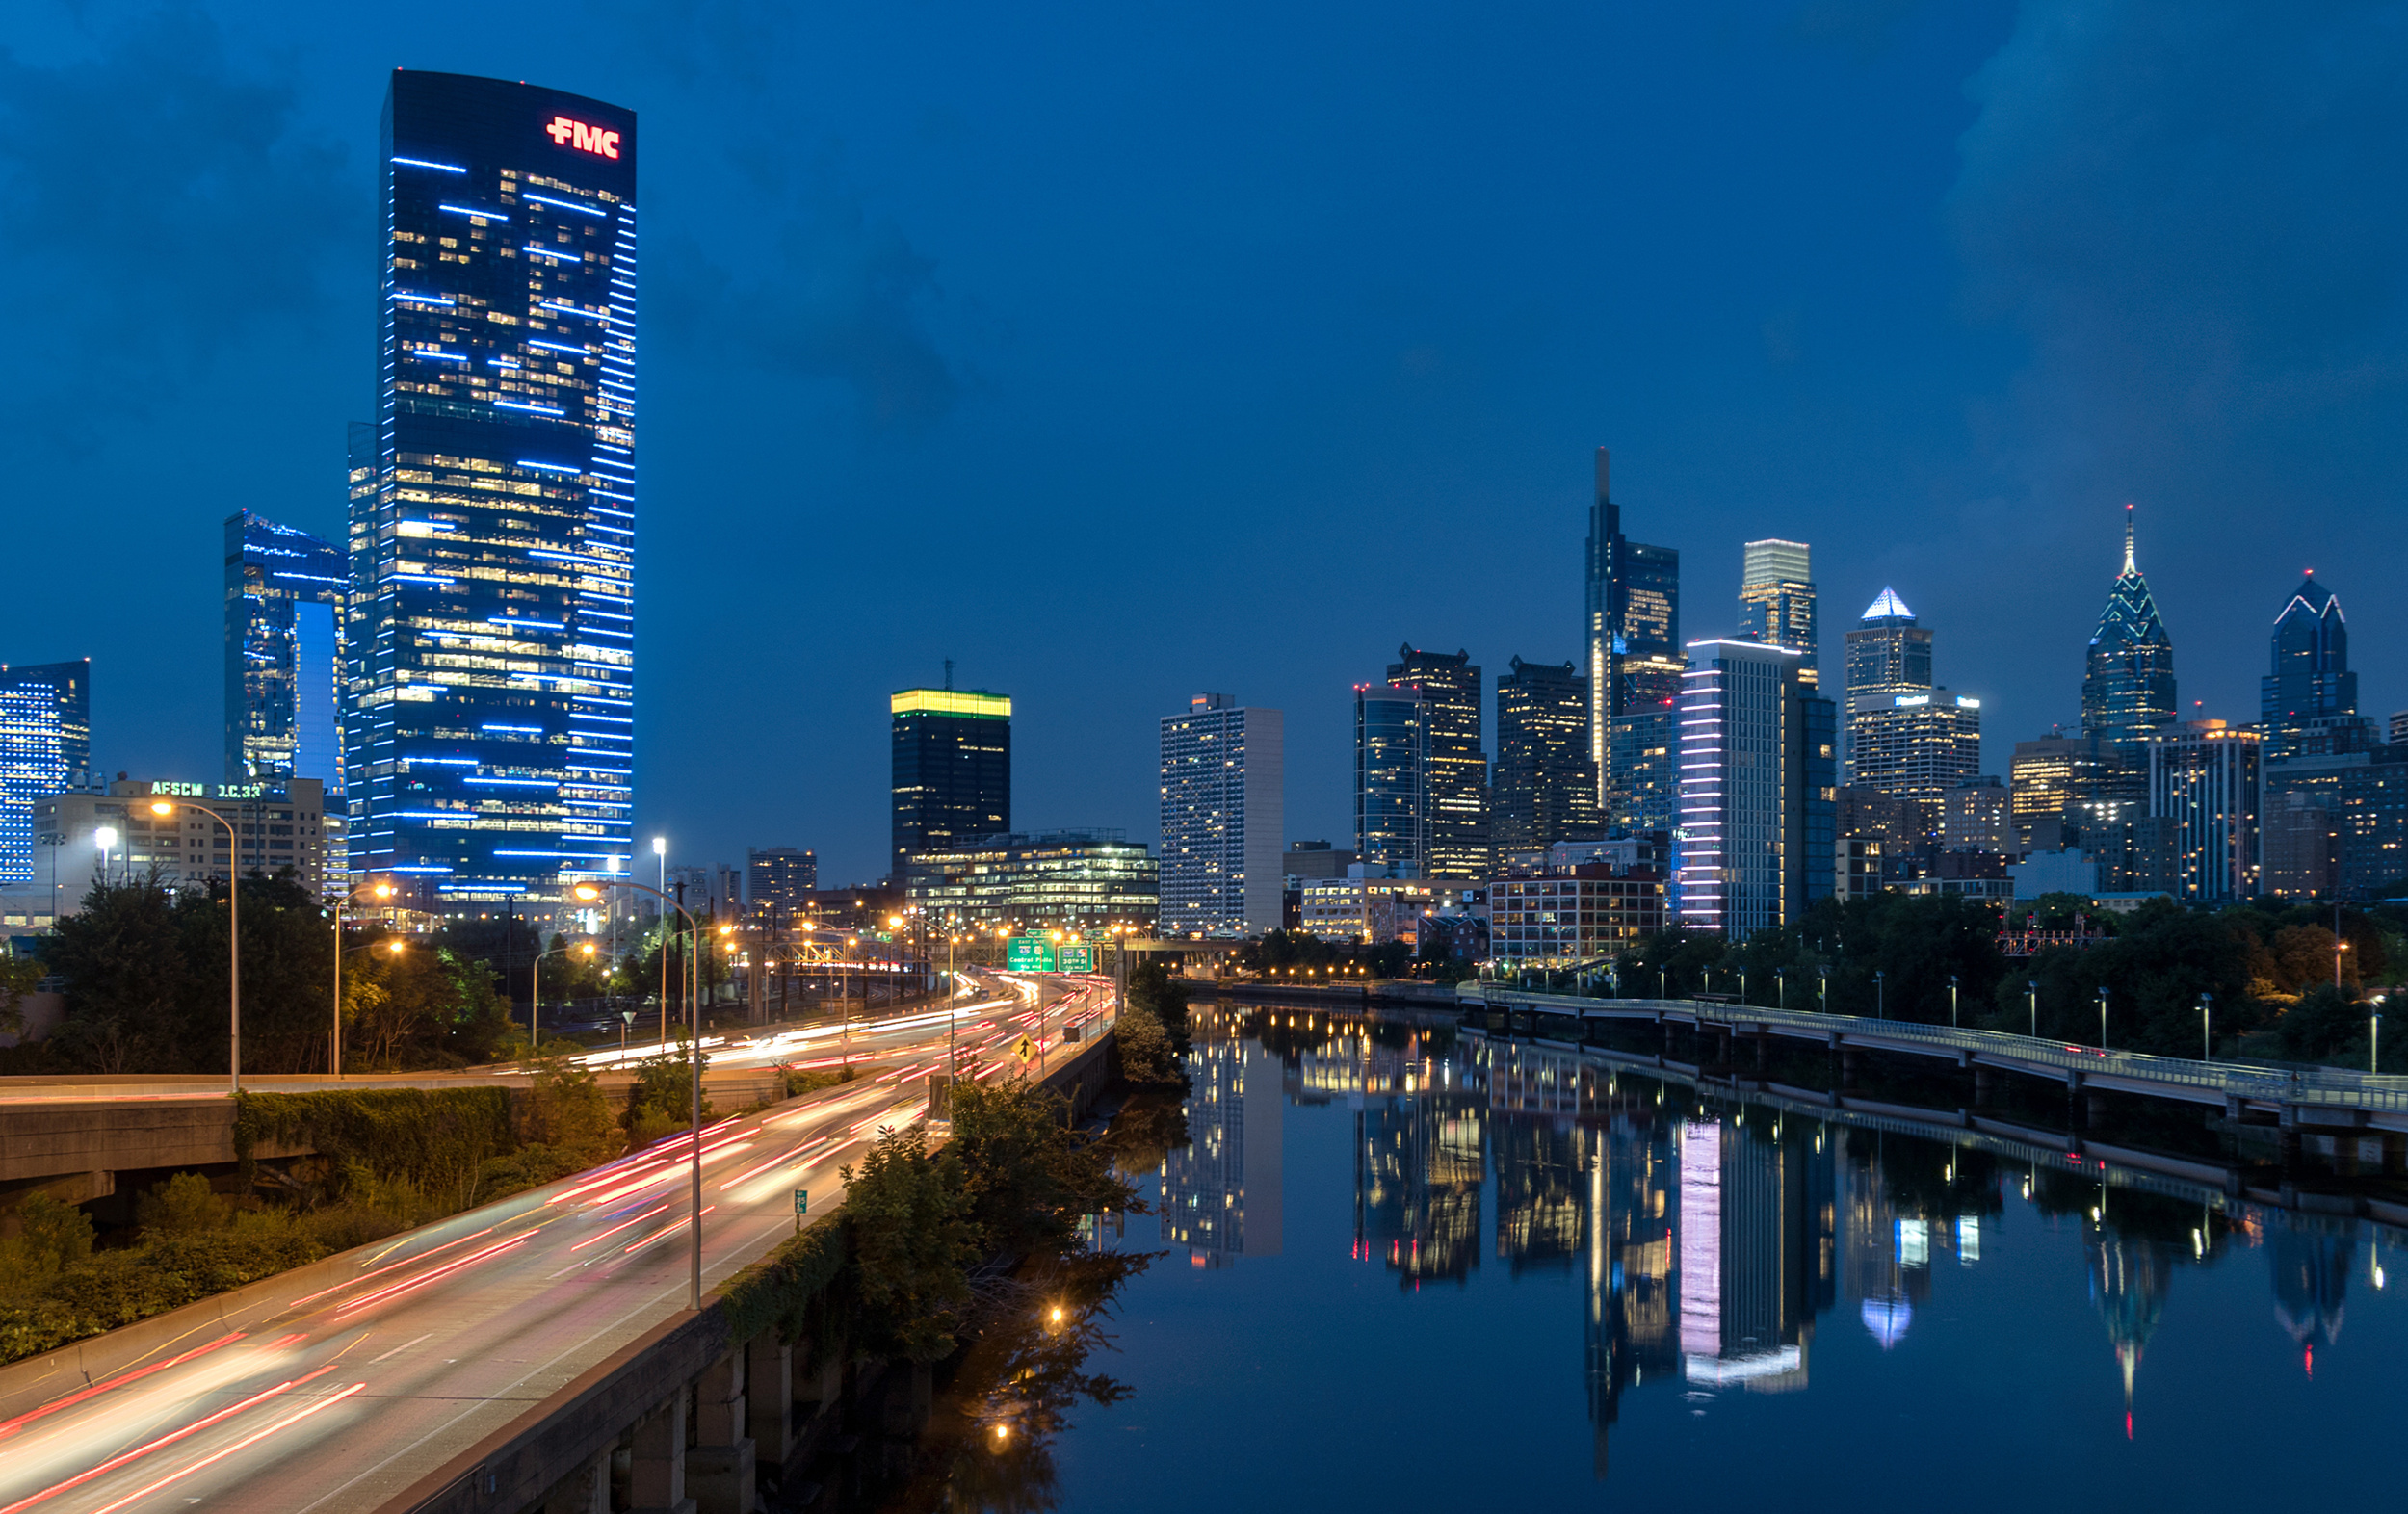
[[490, 671]]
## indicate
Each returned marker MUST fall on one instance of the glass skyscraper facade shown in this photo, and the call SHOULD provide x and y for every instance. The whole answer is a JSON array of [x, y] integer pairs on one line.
[[1454, 777], [1777, 596], [284, 609], [2310, 678], [45, 747], [1544, 790], [490, 675], [1222, 818], [1391, 778], [1632, 631], [2128, 684], [952, 772]]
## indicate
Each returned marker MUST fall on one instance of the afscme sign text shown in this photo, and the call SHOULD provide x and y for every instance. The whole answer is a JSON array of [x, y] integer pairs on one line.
[[598, 141]]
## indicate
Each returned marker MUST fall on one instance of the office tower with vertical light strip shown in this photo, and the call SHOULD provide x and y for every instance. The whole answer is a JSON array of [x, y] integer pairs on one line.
[[284, 610], [1630, 629], [1759, 775], [1777, 597], [490, 675]]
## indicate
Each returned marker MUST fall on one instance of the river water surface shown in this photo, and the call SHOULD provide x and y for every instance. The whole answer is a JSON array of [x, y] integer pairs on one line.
[[1409, 1271]]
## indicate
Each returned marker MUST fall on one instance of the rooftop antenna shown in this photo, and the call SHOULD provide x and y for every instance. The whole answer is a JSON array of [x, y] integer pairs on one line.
[[949, 673], [2128, 540]]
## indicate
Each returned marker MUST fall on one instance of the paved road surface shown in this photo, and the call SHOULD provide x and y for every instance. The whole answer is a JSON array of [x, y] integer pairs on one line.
[[450, 1332]]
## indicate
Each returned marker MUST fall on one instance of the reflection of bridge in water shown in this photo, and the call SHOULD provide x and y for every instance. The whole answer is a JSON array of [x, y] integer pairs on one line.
[[1712, 1228]]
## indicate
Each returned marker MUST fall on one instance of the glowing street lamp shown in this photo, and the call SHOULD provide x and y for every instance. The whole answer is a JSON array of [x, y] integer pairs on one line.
[[106, 840], [233, 940], [384, 895]]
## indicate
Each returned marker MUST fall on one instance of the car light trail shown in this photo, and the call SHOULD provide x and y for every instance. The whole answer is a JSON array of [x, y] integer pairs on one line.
[[248, 1441], [168, 1439], [445, 1270], [622, 1226], [73, 1399]]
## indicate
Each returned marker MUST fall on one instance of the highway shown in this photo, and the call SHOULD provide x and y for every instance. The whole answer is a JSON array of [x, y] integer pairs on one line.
[[449, 1332]]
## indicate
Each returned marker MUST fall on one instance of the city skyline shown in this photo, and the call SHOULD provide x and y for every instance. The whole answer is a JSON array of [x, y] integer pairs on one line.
[[1990, 528]]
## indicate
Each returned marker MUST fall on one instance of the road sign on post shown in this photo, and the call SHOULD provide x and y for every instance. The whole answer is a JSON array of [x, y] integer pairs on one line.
[[1078, 960], [1030, 954]]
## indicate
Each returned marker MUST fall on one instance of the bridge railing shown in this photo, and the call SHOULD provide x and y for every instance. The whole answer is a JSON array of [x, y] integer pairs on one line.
[[2310, 1086]]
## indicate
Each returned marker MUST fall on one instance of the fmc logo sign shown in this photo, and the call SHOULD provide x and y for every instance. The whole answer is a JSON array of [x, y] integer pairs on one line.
[[583, 138]]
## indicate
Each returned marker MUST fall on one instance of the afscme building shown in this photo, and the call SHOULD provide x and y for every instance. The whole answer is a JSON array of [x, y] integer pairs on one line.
[[489, 667]]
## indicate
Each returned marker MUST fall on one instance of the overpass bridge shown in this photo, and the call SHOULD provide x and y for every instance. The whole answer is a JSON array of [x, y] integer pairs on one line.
[[2294, 1097]]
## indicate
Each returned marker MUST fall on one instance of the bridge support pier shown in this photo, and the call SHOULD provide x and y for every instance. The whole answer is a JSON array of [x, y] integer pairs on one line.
[[1764, 1044], [2094, 1108], [656, 1476], [719, 1467], [1985, 1085], [585, 1491], [1847, 1066], [769, 1399]]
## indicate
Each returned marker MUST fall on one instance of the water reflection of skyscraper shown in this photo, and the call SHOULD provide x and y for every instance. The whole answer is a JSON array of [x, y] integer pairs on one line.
[[2311, 1266], [1419, 1165], [2128, 1276], [1904, 1206], [1221, 1191]]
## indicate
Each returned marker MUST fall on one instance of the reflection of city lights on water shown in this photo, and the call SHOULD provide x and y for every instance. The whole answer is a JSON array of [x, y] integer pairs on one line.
[[1886, 1319]]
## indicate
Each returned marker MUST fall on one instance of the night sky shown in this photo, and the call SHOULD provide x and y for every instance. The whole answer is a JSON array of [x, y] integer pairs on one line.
[[1119, 351]]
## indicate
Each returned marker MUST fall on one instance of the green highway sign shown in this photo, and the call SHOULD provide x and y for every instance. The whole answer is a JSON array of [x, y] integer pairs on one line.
[[1078, 960], [1030, 954]]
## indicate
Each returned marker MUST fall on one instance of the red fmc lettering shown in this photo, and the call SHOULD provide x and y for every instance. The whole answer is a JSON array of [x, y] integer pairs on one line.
[[602, 143]]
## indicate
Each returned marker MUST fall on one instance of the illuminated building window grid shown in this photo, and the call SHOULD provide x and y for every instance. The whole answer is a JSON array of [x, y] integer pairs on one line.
[[588, 674]]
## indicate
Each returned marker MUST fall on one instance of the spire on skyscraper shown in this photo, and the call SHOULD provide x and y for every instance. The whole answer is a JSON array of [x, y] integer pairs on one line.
[[2128, 686]]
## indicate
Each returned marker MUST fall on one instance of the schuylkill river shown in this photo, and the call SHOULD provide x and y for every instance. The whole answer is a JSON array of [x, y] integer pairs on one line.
[[1416, 1270]]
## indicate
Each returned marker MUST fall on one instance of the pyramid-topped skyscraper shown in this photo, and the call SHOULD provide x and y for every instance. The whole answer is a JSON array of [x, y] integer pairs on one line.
[[2128, 692]]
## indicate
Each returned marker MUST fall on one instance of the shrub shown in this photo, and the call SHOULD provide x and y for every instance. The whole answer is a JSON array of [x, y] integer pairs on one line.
[[184, 1205], [52, 1236]]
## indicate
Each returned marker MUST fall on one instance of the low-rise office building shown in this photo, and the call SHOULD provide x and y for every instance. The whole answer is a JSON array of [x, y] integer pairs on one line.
[[1583, 911], [81, 838], [1367, 910], [1072, 879]]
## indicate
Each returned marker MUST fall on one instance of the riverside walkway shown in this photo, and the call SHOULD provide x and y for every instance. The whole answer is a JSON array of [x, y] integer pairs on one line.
[[2296, 1097]]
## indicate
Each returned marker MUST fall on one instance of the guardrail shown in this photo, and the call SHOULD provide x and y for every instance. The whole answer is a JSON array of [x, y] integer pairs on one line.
[[2315, 1087]]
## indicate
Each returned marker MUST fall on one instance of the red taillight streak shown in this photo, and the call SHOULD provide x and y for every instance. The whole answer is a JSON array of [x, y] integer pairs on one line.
[[168, 1439], [74, 1398], [621, 1225], [252, 1439], [665, 1230], [424, 1278], [390, 1266]]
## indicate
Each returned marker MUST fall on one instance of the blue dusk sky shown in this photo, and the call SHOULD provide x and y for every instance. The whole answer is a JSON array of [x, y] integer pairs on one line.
[[1119, 351]]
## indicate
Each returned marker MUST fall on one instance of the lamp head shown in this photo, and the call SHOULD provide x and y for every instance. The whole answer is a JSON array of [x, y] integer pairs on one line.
[[587, 893], [105, 838], [162, 807]]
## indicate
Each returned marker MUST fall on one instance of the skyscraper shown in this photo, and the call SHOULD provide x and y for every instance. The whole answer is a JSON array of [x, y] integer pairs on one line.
[[45, 747], [489, 681], [952, 772], [2203, 779], [284, 593], [2127, 689], [1454, 778], [1222, 820], [778, 883], [1391, 767], [1759, 770], [1545, 789], [2311, 677], [1906, 738], [1777, 597], [1632, 633]]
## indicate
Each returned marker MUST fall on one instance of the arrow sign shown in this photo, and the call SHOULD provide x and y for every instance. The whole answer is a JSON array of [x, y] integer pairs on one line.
[[1025, 1049]]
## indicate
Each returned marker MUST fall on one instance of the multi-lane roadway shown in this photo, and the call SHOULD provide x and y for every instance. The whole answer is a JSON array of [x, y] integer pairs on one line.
[[349, 1392]]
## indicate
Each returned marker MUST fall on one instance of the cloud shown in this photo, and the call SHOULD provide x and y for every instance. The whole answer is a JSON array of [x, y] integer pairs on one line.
[[2195, 215], [161, 199], [830, 293]]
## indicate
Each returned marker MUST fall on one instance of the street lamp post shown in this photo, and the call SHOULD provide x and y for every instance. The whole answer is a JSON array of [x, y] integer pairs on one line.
[[535, 989], [1951, 1001], [105, 837], [1822, 987], [588, 893], [233, 940], [2103, 1017], [334, 1057], [1880, 1003], [2207, 1040]]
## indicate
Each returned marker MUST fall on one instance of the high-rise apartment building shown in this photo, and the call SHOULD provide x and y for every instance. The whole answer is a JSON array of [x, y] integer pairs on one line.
[[1759, 772], [2204, 779], [1777, 597], [2363, 795], [2128, 686], [951, 770], [45, 747], [490, 675], [1905, 737], [2310, 678], [1454, 777], [1545, 788], [1222, 769], [1391, 778], [1632, 633], [284, 625], [778, 883]]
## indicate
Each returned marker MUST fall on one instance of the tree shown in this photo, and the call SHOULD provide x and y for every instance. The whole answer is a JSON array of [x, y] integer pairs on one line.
[[912, 1244], [127, 984], [567, 1111], [20, 977], [1026, 1175]]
